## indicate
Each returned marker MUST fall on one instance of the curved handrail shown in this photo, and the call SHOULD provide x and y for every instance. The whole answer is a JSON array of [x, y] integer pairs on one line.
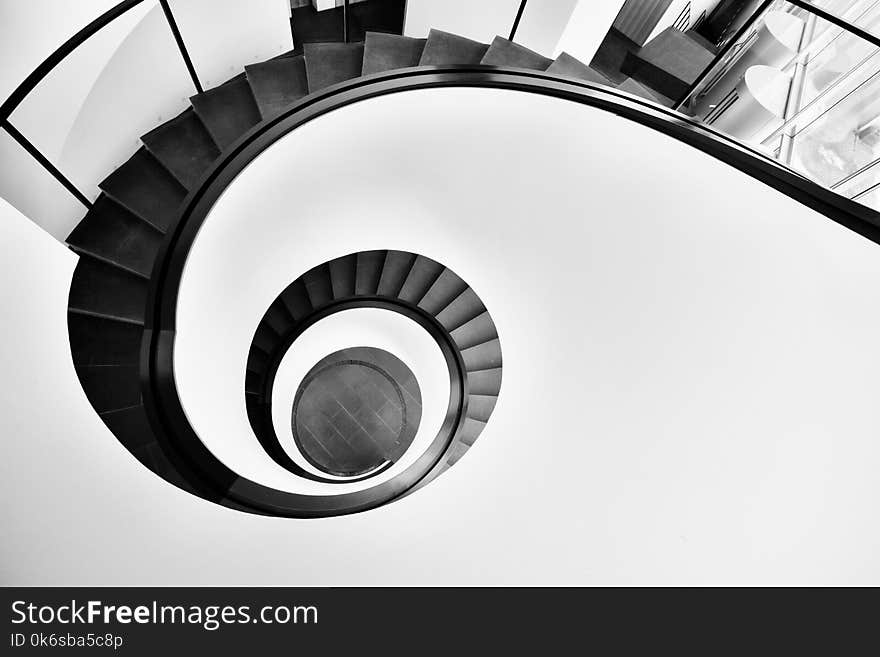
[[179, 439], [38, 74]]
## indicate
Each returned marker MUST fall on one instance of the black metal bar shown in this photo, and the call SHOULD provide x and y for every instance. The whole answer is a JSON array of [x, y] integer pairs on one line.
[[181, 45], [839, 22], [519, 13], [724, 52], [37, 75], [345, 24], [45, 163]]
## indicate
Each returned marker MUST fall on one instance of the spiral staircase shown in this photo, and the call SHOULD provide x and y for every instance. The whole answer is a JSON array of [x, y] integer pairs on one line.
[[121, 237], [127, 240]]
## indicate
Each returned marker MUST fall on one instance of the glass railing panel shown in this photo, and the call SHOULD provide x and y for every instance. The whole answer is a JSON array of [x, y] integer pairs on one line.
[[223, 36], [841, 135], [863, 14], [859, 182]]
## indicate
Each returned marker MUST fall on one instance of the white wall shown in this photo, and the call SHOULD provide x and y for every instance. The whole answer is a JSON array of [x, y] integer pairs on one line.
[[47, 24], [222, 36], [481, 21], [543, 23], [689, 391], [587, 27]]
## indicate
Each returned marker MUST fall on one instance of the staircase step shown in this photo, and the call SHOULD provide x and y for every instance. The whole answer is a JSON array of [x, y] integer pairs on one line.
[[630, 86], [228, 111], [567, 66], [257, 362], [278, 318], [444, 291], [461, 310], [394, 272], [330, 63], [296, 299], [154, 459], [485, 382], [480, 406], [504, 52], [278, 83], [147, 189], [312, 26], [458, 450], [486, 356], [184, 146], [130, 426], [420, 279], [444, 48], [265, 338], [386, 52], [477, 331], [102, 341], [470, 431], [111, 387], [102, 289], [369, 271], [114, 234], [343, 272], [318, 287], [253, 383]]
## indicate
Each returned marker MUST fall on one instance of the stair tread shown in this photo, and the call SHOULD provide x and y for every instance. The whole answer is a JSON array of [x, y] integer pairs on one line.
[[103, 289], [386, 52], [116, 235], [331, 63], [278, 83], [420, 279], [111, 387], [318, 287], [146, 188], [485, 356], [228, 111], [343, 272], [103, 341], [130, 426], [184, 146], [443, 292], [504, 52], [485, 382], [443, 48], [477, 331], [480, 407], [567, 66], [369, 272], [296, 299], [465, 307], [470, 430], [394, 272]]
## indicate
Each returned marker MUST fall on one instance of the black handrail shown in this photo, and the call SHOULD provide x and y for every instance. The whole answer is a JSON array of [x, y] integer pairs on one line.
[[179, 439]]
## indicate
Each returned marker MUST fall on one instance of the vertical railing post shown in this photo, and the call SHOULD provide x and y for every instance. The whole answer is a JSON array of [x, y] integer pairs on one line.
[[178, 37]]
